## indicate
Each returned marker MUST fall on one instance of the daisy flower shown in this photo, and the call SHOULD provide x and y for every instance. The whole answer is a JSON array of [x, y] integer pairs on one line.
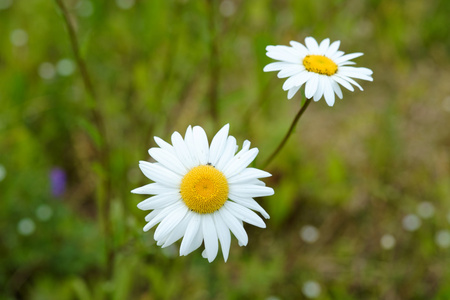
[[322, 68], [202, 192]]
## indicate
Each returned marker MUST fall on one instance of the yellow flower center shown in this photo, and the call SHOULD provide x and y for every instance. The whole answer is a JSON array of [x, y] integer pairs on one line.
[[320, 64], [204, 189]]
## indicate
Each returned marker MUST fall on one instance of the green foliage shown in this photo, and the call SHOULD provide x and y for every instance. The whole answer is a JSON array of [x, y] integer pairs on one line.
[[353, 171]]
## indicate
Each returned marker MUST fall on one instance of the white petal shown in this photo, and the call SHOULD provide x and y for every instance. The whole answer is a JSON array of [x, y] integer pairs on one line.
[[228, 153], [354, 74], [201, 142], [164, 145], [283, 54], [245, 214], [248, 174], [293, 91], [303, 50], [160, 174], [365, 71], [152, 189], [276, 66], [168, 160], [292, 50], [332, 49], [210, 237], [343, 82], [178, 232], [245, 147], [324, 46], [349, 80], [239, 163], [348, 57], [328, 92], [336, 55], [250, 190], [311, 85], [191, 232], [190, 143], [223, 233], [153, 214], [336, 88], [235, 225], [153, 220], [169, 222], [182, 150], [258, 182], [312, 45], [297, 80], [320, 88], [250, 203], [218, 145], [294, 69], [346, 63], [159, 201], [197, 242]]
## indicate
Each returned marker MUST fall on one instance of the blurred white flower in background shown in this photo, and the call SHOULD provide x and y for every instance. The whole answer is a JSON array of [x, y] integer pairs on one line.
[[411, 222], [227, 8], [387, 241], [65, 67], [442, 238], [44, 212], [425, 210], [26, 226], [309, 234], [19, 37], [46, 70], [311, 289]]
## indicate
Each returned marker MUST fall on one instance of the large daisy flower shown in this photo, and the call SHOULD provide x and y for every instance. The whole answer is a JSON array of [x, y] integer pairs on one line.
[[202, 192], [322, 68]]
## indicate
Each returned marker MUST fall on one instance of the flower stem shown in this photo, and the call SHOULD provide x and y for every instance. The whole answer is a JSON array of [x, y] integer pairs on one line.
[[288, 134], [102, 152]]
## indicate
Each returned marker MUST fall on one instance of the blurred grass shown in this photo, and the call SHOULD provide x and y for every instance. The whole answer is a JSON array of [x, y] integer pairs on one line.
[[354, 171]]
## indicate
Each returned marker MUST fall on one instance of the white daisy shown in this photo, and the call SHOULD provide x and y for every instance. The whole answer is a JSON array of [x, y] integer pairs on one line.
[[202, 192], [320, 67]]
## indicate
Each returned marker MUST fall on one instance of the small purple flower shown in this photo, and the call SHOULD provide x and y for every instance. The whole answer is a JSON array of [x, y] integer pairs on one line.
[[58, 181]]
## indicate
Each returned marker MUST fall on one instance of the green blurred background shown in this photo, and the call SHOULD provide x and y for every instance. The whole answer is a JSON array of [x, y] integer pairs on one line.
[[362, 189]]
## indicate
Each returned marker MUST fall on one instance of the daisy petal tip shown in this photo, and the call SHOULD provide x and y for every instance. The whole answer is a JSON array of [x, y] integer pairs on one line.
[[266, 69]]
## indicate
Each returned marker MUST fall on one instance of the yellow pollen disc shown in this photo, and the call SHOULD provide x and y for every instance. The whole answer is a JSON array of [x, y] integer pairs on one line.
[[320, 64], [204, 189]]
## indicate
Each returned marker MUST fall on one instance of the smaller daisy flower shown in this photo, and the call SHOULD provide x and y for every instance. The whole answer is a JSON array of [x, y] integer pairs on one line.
[[322, 68], [202, 192]]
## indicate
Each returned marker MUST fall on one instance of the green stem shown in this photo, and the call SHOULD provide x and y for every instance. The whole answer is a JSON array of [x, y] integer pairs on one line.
[[288, 134], [102, 153]]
